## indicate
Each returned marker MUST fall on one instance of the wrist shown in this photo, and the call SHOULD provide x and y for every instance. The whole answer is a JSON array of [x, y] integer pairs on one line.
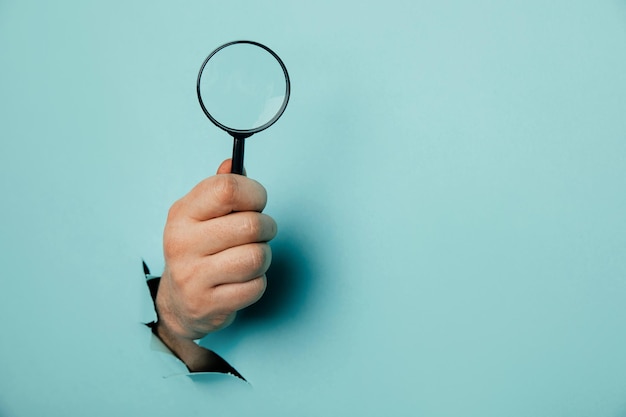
[[195, 358]]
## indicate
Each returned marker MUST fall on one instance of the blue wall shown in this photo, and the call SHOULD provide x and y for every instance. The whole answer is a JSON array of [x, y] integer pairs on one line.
[[449, 182]]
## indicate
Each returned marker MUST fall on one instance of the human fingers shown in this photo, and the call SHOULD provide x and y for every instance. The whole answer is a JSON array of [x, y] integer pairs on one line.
[[235, 296], [234, 265], [215, 309], [234, 229], [220, 195], [226, 167]]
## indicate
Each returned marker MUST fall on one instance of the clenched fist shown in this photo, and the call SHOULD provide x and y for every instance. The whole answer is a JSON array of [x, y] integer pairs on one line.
[[216, 256]]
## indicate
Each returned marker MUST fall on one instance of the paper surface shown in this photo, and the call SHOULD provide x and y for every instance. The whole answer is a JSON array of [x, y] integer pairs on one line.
[[448, 184]]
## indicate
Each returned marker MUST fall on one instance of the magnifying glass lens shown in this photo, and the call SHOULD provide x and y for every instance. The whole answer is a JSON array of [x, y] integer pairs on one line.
[[243, 86]]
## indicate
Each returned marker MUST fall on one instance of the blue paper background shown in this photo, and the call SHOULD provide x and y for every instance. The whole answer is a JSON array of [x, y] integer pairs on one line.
[[448, 179]]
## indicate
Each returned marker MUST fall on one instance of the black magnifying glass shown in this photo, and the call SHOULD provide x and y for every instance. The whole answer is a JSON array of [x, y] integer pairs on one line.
[[243, 88]]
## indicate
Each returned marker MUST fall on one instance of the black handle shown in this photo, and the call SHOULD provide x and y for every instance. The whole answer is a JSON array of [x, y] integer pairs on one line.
[[238, 148]]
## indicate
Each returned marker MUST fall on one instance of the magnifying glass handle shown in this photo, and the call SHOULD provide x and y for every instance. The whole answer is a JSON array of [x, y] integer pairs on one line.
[[238, 148]]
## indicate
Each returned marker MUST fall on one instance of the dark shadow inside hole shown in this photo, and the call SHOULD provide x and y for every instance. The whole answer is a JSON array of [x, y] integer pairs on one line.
[[213, 379]]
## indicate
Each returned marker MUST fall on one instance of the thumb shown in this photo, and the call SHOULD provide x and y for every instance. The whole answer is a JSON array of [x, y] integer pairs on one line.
[[226, 167]]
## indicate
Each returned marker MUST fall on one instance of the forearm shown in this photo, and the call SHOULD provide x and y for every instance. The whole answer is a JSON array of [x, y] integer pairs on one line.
[[196, 358]]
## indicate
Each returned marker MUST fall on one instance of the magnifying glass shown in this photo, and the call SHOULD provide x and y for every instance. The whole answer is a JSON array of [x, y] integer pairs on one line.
[[243, 88]]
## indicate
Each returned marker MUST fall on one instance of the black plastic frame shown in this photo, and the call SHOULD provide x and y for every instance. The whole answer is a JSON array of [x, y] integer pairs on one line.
[[238, 134], [247, 132]]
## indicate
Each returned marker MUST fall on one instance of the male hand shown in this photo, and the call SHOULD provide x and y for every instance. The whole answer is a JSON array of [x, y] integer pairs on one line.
[[216, 256]]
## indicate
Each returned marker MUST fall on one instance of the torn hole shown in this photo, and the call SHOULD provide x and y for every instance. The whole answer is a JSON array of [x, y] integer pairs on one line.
[[208, 361]]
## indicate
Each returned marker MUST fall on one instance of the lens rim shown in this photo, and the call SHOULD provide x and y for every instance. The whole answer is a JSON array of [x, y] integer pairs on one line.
[[245, 132]]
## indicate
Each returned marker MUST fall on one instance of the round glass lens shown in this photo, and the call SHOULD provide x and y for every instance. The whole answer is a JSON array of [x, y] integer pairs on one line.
[[243, 86]]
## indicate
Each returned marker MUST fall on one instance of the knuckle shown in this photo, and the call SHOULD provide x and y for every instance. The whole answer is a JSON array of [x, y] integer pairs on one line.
[[221, 320], [225, 189], [254, 290], [263, 195], [173, 246], [274, 228], [258, 286], [259, 257], [174, 211], [252, 226]]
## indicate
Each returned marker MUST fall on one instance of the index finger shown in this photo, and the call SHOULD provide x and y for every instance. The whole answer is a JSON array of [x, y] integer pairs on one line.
[[221, 194], [226, 166]]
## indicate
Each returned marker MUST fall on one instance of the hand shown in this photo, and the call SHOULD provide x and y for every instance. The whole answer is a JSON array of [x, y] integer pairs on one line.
[[216, 256]]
